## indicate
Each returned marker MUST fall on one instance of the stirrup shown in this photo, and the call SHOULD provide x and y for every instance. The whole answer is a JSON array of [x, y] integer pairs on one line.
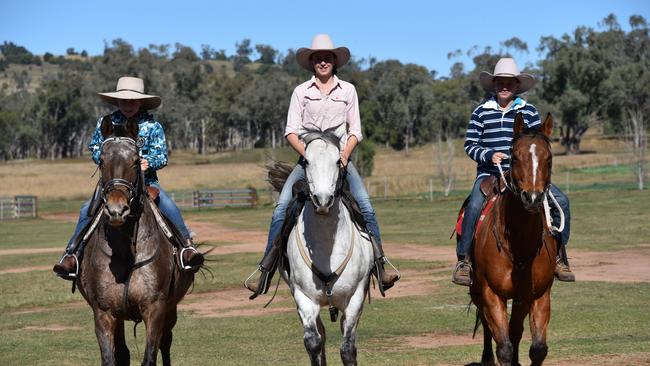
[[263, 282], [378, 270], [182, 262], [70, 276]]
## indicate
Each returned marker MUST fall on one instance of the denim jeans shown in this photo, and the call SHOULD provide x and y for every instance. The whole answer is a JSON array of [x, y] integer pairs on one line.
[[357, 189], [167, 207], [475, 204]]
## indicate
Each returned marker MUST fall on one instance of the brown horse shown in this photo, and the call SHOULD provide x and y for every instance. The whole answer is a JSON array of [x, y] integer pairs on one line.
[[514, 253], [127, 270]]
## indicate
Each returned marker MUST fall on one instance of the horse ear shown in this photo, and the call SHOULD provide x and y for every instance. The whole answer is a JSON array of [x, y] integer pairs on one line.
[[132, 128], [519, 124], [547, 126], [106, 126]]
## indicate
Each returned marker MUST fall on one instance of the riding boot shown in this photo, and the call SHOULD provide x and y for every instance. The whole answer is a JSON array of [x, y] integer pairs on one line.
[[68, 267], [384, 280], [191, 259], [266, 268], [562, 270], [462, 273]]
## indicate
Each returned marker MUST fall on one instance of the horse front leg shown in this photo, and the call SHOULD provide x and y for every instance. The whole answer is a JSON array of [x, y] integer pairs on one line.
[[496, 316], [154, 319], [309, 313], [167, 336], [519, 311], [122, 355], [540, 315], [349, 323], [105, 327]]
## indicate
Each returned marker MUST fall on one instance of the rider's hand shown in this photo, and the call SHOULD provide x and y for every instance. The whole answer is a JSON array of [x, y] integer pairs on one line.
[[344, 160], [144, 164], [498, 157]]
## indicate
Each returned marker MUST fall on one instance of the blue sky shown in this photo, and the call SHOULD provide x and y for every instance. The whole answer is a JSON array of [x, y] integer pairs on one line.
[[422, 32]]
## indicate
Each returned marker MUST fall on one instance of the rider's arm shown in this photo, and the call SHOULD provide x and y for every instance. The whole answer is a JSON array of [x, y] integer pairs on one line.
[[472, 147], [95, 145], [155, 149], [297, 145]]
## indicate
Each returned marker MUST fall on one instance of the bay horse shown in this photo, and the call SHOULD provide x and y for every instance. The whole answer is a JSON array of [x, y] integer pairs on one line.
[[127, 269], [328, 257], [514, 252]]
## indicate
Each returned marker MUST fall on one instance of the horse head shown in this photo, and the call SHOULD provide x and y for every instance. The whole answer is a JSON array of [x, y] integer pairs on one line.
[[120, 167], [322, 164], [531, 162]]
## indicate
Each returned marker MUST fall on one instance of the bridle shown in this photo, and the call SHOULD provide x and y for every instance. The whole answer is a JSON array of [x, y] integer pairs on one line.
[[338, 185], [133, 190]]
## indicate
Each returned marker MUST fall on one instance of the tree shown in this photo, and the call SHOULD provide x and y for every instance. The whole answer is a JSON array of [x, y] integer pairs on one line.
[[15, 54], [267, 54]]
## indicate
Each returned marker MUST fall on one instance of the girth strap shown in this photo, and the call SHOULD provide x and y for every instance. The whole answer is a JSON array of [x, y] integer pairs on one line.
[[330, 279]]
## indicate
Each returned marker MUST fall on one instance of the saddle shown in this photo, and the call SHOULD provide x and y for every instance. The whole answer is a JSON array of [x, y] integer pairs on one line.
[[491, 187]]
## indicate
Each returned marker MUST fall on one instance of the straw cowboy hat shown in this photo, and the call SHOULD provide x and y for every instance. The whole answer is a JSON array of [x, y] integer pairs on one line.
[[506, 67], [130, 88], [322, 42]]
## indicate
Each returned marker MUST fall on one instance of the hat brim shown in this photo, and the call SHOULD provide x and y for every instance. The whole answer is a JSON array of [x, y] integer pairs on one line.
[[148, 101], [526, 81], [303, 56]]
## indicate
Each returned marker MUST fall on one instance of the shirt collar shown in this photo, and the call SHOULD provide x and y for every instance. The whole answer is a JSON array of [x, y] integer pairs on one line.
[[492, 104], [337, 83], [118, 118]]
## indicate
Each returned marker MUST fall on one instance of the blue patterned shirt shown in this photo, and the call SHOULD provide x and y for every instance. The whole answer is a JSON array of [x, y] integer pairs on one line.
[[490, 130], [154, 148]]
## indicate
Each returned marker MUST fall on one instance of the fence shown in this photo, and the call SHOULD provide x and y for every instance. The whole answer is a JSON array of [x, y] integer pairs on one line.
[[224, 198], [18, 206]]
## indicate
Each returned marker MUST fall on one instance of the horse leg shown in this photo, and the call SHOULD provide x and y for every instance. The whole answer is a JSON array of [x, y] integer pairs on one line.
[[349, 324], [154, 319], [167, 336], [309, 313], [122, 355], [494, 311], [105, 326], [540, 315], [519, 312], [321, 330], [487, 358]]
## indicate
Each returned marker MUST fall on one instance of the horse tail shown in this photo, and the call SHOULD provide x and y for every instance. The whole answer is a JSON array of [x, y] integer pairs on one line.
[[476, 321], [278, 172]]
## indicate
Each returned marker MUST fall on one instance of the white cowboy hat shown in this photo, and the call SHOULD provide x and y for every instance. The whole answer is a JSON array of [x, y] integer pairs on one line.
[[322, 42], [130, 88], [507, 68]]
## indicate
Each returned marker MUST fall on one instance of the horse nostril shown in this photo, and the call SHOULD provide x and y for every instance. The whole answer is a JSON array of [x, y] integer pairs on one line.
[[317, 201], [329, 201]]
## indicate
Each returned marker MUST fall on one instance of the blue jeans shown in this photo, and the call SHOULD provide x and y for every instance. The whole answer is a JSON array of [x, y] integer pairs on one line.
[[167, 207], [357, 189], [473, 211]]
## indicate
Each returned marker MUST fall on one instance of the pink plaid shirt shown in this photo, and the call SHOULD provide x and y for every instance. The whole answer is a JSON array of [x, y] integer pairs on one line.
[[312, 109]]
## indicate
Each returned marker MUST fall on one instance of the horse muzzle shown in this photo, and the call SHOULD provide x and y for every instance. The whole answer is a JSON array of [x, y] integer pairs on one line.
[[532, 200], [117, 209], [322, 203]]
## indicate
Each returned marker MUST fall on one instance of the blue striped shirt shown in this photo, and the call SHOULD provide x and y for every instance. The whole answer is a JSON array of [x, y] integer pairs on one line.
[[490, 130]]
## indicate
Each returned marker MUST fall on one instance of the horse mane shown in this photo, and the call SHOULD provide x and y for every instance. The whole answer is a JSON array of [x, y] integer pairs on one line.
[[278, 172], [311, 134]]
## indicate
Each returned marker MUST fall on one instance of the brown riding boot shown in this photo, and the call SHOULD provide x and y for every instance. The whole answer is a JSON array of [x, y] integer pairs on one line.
[[385, 280], [562, 271], [462, 273], [267, 268], [191, 259], [67, 268]]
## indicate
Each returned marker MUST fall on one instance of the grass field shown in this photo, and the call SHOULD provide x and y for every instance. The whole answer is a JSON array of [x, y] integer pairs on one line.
[[42, 323], [593, 322]]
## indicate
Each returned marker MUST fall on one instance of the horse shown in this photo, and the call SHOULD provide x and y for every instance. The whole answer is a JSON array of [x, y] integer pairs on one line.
[[127, 269], [514, 252], [328, 255]]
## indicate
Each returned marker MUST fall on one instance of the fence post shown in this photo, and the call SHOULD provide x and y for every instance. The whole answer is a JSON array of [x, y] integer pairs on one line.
[[385, 187], [17, 207], [568, 187], [430, 189], [2, 209]]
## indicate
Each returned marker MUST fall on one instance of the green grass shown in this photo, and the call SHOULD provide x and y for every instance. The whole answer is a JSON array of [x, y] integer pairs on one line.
[[590, 319]]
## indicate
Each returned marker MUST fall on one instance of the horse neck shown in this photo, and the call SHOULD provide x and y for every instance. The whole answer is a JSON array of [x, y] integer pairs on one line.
[[522, 230], [323, 232]]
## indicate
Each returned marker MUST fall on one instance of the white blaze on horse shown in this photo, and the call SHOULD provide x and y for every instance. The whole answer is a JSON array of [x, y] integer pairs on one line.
[[329, 257]]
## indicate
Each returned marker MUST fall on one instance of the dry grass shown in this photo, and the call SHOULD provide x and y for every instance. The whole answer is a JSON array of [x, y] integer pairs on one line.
[[401, 174]]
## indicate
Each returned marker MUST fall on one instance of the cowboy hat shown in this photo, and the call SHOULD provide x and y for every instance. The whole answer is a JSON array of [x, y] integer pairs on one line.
[[507, 68], [322, 42], [130, 88]]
